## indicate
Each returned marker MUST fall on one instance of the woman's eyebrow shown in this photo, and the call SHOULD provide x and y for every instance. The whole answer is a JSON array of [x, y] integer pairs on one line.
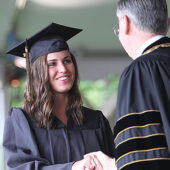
[[51, 60], [68, 56]]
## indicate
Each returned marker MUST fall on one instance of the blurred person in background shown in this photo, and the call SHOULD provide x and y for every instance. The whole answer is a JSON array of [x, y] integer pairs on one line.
[[53, 130]]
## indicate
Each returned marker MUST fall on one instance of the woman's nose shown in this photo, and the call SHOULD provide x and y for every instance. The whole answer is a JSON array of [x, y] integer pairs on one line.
[[62, 68]]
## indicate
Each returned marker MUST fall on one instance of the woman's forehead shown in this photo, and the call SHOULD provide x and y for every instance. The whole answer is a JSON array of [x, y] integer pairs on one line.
[[58, 55]]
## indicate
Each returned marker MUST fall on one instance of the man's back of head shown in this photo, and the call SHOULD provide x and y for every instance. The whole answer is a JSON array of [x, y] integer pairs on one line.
[[146, 15]]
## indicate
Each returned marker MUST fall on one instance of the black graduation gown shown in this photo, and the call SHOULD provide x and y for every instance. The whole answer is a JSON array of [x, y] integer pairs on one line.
[[142, 129], [28, 147]]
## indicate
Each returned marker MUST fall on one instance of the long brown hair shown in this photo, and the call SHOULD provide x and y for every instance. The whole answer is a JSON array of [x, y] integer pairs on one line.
[[40, 109]]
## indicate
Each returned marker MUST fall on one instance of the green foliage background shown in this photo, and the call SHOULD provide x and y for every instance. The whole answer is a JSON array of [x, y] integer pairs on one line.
[[93, 92]]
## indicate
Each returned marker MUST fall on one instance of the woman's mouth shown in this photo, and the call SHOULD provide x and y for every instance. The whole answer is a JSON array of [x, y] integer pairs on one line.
[[63, 78]]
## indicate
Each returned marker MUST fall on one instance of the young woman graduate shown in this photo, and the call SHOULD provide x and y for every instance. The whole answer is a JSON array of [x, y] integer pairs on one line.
[[52, 131]]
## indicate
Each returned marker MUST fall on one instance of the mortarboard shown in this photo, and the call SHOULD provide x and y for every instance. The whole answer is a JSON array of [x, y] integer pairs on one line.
[[50, 39]]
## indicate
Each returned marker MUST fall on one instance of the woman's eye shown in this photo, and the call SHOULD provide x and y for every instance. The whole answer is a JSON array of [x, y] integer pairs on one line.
[[67, 61], [52, 64]]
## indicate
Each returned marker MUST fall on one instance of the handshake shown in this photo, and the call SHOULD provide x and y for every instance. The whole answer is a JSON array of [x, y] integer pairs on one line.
[[95, 161]]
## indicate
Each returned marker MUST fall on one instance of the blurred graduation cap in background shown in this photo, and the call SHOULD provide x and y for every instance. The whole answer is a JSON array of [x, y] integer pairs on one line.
[[50, 39]]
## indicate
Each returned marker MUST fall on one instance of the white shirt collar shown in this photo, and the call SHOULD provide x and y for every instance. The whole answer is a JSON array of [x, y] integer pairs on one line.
[[149, 42]]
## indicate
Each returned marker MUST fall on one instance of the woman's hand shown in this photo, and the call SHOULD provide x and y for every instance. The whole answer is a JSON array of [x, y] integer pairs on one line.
[[88, 163], [103, 161]]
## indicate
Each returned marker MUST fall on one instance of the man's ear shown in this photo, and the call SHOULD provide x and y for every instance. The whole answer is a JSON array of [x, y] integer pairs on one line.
[[126, 24]]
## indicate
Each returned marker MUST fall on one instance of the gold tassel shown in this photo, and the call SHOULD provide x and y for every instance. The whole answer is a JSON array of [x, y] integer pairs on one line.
[[29, 91]]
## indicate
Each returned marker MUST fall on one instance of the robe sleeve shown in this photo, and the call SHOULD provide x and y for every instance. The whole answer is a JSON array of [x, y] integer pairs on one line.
[[20, 148], [143, 99], [108, 136], [161, 84]]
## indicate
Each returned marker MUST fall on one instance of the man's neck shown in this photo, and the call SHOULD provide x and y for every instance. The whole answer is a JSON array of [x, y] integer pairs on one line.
[[139, 42], [148, 43]]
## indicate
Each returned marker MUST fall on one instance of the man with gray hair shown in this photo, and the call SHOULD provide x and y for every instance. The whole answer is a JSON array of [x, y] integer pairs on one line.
[[142, 127]]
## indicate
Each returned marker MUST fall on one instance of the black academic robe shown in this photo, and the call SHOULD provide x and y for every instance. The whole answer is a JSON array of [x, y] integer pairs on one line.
[[142, 129], [28, 147]]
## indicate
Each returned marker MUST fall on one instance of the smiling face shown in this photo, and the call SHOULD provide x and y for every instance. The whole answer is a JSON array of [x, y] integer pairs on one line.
[[61, 71]]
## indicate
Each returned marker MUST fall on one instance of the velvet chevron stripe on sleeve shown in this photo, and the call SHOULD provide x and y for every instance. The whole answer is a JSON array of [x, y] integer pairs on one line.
[[140, 139]]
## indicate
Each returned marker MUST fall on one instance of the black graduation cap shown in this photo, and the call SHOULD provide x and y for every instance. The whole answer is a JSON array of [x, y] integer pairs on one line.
[[50, 39]]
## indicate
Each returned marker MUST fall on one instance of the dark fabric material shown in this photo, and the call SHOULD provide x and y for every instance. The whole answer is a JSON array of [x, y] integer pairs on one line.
[[137, 120], [152, 165], [145, 86], [28, 147], [141, 144], [50, 39]]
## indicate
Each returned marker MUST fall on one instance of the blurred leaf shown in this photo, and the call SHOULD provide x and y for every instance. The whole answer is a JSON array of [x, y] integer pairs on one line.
[[98, 91], [17, 95]]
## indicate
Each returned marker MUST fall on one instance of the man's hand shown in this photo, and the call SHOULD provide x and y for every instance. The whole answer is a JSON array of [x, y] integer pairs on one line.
[[84, 164], [106, 162]]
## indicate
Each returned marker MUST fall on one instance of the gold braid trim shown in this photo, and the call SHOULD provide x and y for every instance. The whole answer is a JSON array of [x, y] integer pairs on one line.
[[156, 47], [145, 160]]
